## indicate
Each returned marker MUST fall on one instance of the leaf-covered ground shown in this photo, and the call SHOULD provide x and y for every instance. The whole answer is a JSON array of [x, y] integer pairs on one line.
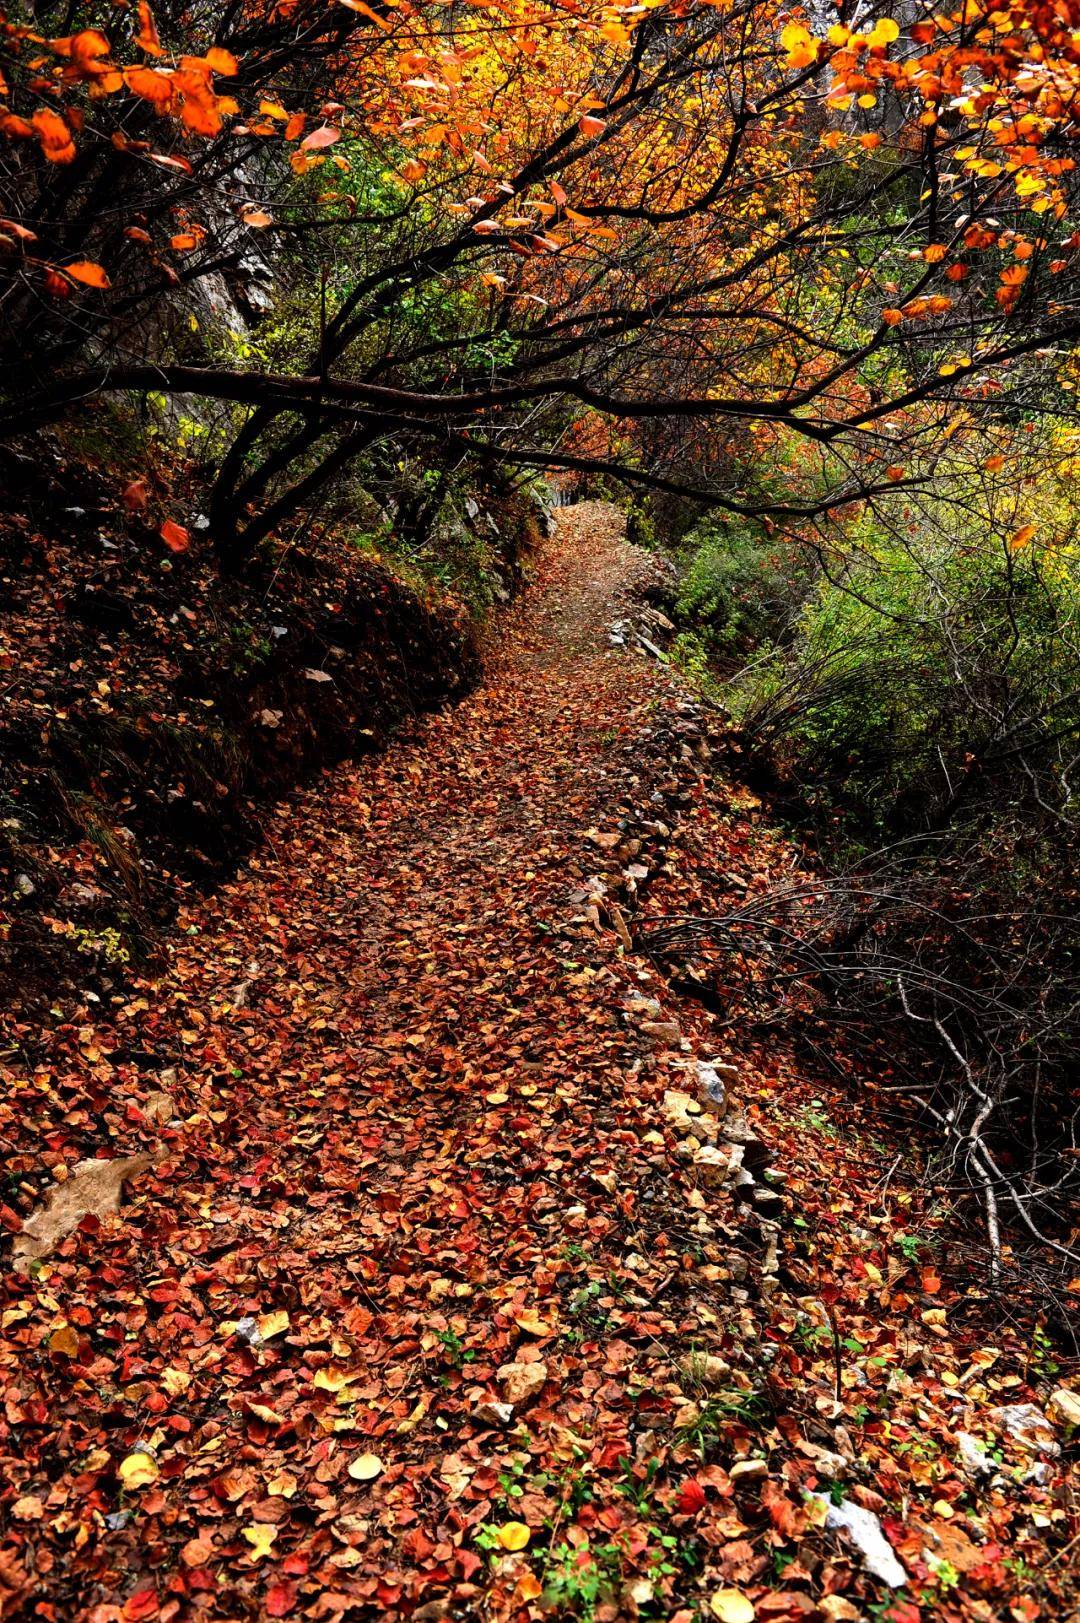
[[452, 1291]]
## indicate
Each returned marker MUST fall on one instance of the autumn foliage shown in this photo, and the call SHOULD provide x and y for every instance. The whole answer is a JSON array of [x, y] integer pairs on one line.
[[714, 227]]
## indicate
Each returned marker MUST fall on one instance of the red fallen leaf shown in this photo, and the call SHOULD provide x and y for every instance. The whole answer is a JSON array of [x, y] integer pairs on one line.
[[175, 537], [690, 1498], [469, 1562], [143, 1603], [280, 1600], [787, 1517], [11, 1219]]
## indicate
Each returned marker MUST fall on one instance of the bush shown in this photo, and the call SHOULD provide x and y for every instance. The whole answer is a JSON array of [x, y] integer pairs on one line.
[[740, 586], [918, 699]]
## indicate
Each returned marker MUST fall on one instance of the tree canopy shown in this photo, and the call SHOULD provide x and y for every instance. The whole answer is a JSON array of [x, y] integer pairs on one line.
[[633, 239]]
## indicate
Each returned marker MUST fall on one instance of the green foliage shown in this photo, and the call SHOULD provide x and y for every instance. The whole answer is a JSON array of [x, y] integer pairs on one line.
[[740, 586], [915, 663]]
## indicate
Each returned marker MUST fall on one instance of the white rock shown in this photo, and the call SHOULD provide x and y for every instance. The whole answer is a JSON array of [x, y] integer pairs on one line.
[[705, 1369], [748, 1471], [493, 1414], [523, 1381], [711, 1090], [1027, 1426], [712, 1166], [973, 1456], [864, 1530], [1063, 1406]]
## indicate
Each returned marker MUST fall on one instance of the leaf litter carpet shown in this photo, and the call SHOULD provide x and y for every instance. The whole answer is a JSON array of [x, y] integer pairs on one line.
[[446, 1283]]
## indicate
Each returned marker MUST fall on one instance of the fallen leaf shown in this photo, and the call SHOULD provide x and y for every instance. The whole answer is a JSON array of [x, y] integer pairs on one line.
[[175, 537], [138, 1470], [513, 1535], [366, 1467], [732, 1606], [260, 1537]]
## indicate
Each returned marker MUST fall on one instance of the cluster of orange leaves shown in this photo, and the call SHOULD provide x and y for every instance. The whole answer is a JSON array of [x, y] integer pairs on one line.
[[184, 89], [1014, 81]]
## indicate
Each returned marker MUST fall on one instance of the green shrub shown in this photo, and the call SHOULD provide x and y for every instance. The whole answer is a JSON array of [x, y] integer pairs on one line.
[[740, 586]]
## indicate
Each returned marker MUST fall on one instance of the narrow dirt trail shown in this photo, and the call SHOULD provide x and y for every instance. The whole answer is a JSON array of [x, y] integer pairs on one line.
[[436, 1307]]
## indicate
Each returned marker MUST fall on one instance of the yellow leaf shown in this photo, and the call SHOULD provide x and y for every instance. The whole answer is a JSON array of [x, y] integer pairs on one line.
[[273, 1324], [175, 1381], [65, 1340], [530, 1321], [731, 1606], [513, 1535], [333, 1378], [138, 1470], [366, 1467], [260, 1537], [884, 32]]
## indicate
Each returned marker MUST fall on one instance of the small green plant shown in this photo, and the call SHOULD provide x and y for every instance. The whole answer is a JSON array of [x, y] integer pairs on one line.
[[909, 1245], [1041, 1356], [578, 1580], [813, 1118], [455, 1349], [636, 1483], [105, 943]]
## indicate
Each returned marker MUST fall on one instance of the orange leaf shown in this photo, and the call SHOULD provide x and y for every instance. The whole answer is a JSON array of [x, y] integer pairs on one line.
[[365, 11], [175, 537], [136, 496], [151, 84], [324, 136], [222, 61], [591, 126], [147, 38], [54, 135], [1022, 536], [85, 271], [86, 48]]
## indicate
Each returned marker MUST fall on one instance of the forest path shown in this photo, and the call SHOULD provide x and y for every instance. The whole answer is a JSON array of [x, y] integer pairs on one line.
[[437, 1305]]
